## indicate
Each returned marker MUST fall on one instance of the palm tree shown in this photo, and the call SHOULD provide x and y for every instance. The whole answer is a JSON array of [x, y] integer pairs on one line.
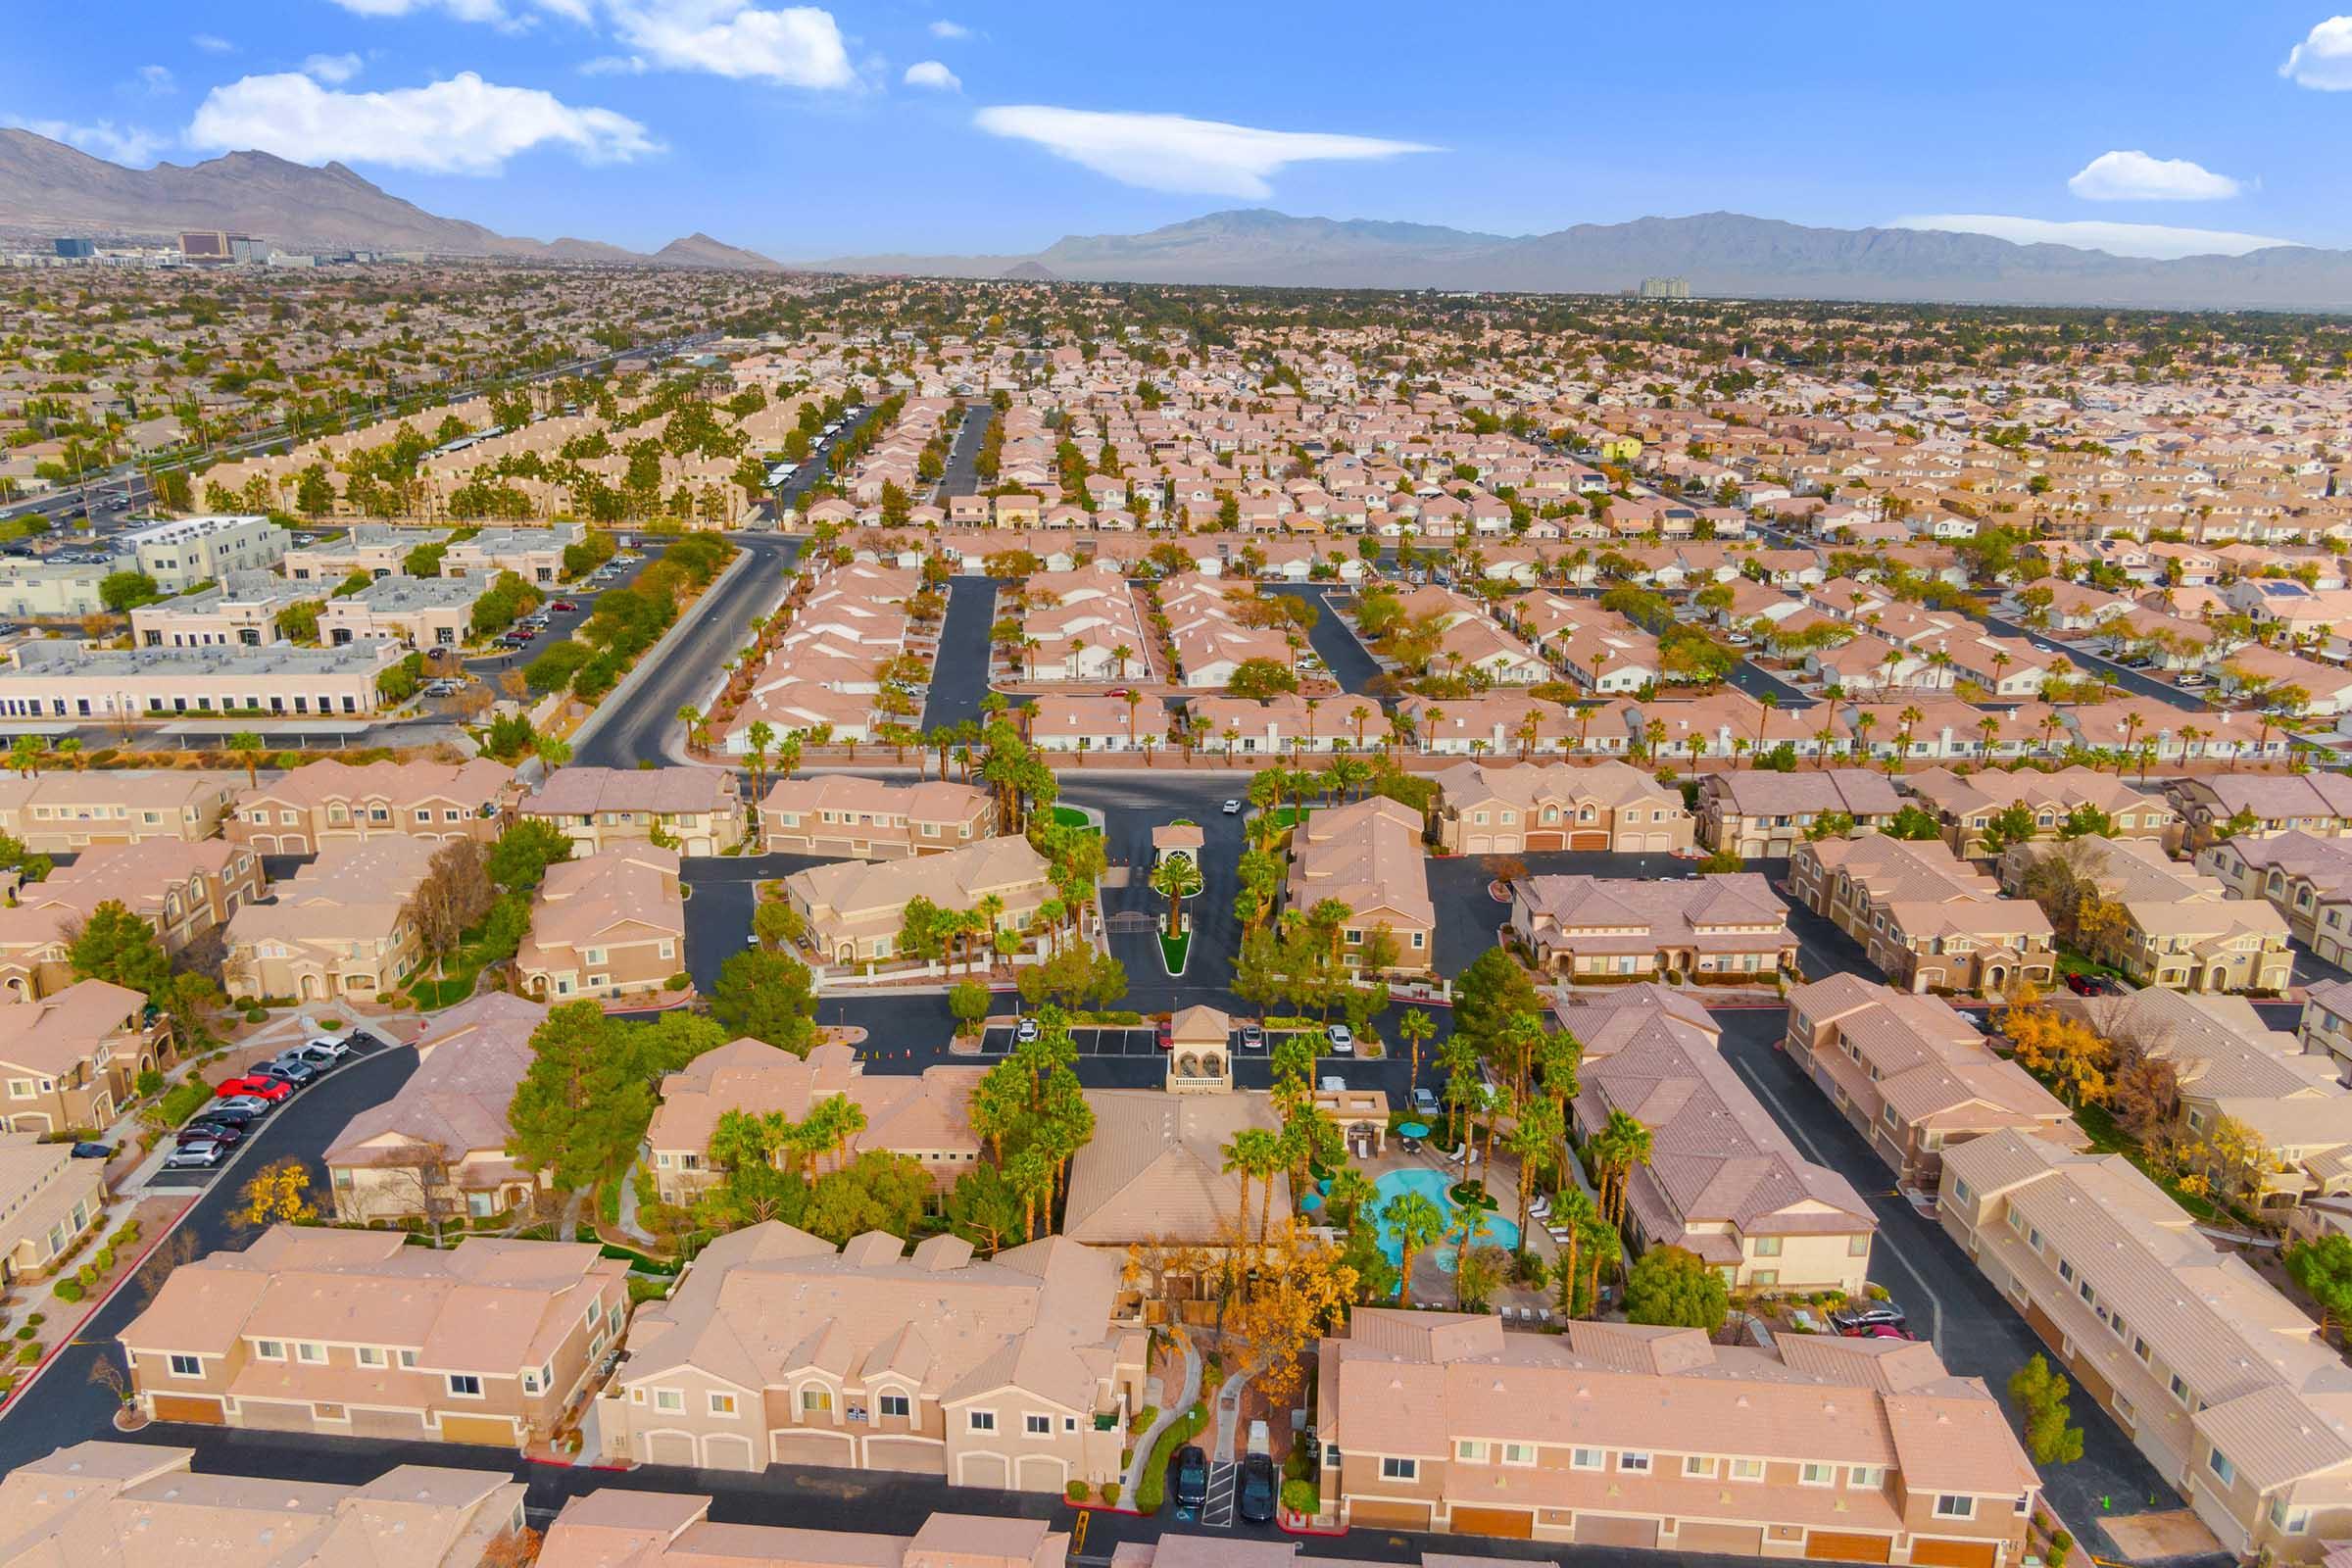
[[691, 718], [1254, 1154], [1535, 1137], [1176, 878], [1622, 1143], [247, 747], [1416, 1027], [1767, 705], [1909, 717], [756, 738], [1571, 1209], [1601, 1245], [553, 752], [1416, 1221]]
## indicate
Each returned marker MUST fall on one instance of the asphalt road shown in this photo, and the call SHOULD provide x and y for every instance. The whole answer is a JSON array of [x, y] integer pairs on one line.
[[2131, 680], [717, 625], [959, 674], [961, 477], [1334, 644]]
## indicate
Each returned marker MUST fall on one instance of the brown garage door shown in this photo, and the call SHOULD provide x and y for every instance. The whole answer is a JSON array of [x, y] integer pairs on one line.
[[1555, 840], [387, 1424], [187, 1407], [1952, 1553], [1604, 1530], [907, 1454], [1832, 1546], [269, 1415], [1515, 1524], [1730, 1541], [1389, 1515], [477, 1429], [1587, 841]]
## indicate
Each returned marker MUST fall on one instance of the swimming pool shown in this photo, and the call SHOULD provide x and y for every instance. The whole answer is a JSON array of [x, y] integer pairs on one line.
[[1433, 1185]]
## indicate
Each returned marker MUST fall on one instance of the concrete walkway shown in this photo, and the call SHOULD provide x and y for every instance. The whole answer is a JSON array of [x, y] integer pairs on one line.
[[1228, 1419], [1170, 1413]]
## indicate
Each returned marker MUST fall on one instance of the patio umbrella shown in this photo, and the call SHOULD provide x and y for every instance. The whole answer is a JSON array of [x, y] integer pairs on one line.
[[1311, 1201], [1412, 1129]]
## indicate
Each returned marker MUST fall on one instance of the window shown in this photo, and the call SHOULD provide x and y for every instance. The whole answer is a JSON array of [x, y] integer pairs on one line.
[[314, 1353], [1858, 1245], [895, 1405], [1747, 1469], [1694, 1464], [270, 1350], [1518, 1454], [1767, 1246], [465, 1385], [669, 1399], [1399, 1469], [722, 1404], [816, 1402], [2294, 1521], [982, 1420], [1036, 1426], [371, 1355], [2219, 1463], [1869, 1477], [1635, 1464], [1954, 1505], [1817, 1474], [187, 1366], [2179, 1389], [1470, 1452]]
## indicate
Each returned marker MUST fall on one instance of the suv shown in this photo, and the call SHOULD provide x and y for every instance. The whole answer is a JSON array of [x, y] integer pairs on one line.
[[202, 1155], [295, 1074], [1856, 1321], [1254, 1501], [1192, 1476]]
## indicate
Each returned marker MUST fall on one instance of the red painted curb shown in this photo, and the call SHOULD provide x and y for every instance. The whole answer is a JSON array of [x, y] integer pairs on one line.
[[1106, 1507], [1289, 1529], [97, 1306]]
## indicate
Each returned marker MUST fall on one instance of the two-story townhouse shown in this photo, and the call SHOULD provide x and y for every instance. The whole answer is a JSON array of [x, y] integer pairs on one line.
[[49, 1200], [71, 1061], [2244, 806], [1927, 918], [1368, 857], [357, 1333], [183, 891], [1503, 810], [835, 814], [1966, 805], [2306, 879], [328, 802], [342, 925], [2178, 926], [1759, 813], [1722, 927], [854, 911], [608, 924], [699, 808], [65, 812]]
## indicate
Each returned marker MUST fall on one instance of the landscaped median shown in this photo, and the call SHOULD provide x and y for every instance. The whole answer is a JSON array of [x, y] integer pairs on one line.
[[1152, 1488]]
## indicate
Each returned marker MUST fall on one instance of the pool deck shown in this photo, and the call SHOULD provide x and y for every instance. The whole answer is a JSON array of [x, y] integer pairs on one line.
[[1432, 1286]]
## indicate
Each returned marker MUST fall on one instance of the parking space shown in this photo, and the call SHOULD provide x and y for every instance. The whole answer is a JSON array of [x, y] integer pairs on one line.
[[1216, 1508], [1092, 1040], [196, 1177]]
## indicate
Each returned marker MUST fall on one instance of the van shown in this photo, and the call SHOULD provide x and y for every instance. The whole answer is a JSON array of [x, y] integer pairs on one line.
[[1261, 1441]]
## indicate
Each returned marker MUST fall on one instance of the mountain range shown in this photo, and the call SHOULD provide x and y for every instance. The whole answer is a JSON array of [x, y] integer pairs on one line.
[[48, 189]]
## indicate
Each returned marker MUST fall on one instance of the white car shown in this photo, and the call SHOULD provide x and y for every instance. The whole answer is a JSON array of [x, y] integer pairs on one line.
[[201, 1154], [1232, 807], [1341, 1038], [1025, 1031]]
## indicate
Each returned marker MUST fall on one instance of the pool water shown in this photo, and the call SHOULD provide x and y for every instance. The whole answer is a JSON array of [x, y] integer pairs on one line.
[[1433, 1185]]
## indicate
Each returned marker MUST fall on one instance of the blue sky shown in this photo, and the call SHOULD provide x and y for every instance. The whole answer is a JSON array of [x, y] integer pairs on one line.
[[936, 125]]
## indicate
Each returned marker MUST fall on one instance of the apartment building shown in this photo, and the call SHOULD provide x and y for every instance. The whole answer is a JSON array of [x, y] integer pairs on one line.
[[699, 808], [535, 554], [1757, 814], [2222, 1383], [409, 613], [2306, 878], [2261, 806], [181, 554], [357, 1333], [104, 1502], [241, 611], [1059, 723], [2231, 1063], [49, 1200], [610, 924], [855, 910], [63, 812], [1368, 857], [832, 814], [1723, 1180], [1496, 809], [673, 1530], [1719, 927], [1964, 807], [1621, 1435], [185, 891], [56, 678], [375, 548], [305, 808], [341, 925], [54, 588], [73, 1060], [2179, 928], [1914, 1075], [438, 1146], [1156, 1169], [2326, 1027], [1927, 918], [927, 1117], [777, 1348]]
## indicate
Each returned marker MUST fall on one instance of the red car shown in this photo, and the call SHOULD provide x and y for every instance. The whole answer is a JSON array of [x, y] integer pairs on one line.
[[1165, 1037], [564, 605], [269, 1088]]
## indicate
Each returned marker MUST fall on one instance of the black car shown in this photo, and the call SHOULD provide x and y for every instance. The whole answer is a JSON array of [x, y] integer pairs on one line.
[[1259, 1488], [228, 1134], [1855, 1320], [94, 1150], [1192, 1476]]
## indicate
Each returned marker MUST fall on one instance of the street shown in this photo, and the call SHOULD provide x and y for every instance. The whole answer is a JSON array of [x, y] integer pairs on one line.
[[960, 671]]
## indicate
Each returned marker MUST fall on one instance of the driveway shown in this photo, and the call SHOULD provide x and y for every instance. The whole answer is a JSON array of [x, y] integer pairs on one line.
[[960, 672], [1334, 644]]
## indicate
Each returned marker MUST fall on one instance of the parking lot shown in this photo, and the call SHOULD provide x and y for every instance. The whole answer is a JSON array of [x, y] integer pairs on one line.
[[1109, 1041], [191, 1179]]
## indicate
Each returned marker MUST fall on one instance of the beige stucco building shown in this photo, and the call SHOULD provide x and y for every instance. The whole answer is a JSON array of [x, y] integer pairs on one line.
[[1487, 809], [423, 612], [612, 924], [855, 910], [73, 1060], [63, 811], [836, 813], [699, 808], [58, 678], [340, 926], [49, 1200], [329, 802]]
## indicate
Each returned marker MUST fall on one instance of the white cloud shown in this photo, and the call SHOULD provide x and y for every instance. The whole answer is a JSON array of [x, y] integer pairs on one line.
[[212, 44], [1176, 153], [2134, 177], [158, 80], [796, 46], [494, 13], [944, 28], [932, 73], [333, 70], [102, 138], [612, 66], [2324, 59], [2151, 241], [463, 126]]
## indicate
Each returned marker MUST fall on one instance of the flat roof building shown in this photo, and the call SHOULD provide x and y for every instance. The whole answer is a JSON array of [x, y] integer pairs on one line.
[[181, 554], [56, 678]]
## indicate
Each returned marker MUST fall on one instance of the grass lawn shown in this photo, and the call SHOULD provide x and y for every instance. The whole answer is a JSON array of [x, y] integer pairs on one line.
[[2072, 962], [1284, 816], [1174, 950], [458, 975], [1071, 816]]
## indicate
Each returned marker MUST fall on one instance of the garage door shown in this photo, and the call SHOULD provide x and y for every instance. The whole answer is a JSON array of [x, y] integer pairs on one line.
[[1603, 1530], [907, 1455], [1041, 1472], [982, 1470], [669, 1447], [1513, 1524], [271, 1415], [1952, 1553], [1389, 1515], [492, 1429], [1483, 844], [1538, 841], [187, 1407], [1832, 1546], [812, 1448], [1730, 1540], [728, 1450], [1587, 841], [408, 1424]]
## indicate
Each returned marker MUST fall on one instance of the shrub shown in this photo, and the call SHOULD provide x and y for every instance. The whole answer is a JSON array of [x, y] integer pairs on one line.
[[2062, 1545], [1153, 1490], [1110, 1492], [1302, 1498], [87, 1274], [679, 982], [27, 1354], [36, 1319], [257, 1015], [102, 1261], [1076, 1491], [26, 1333]]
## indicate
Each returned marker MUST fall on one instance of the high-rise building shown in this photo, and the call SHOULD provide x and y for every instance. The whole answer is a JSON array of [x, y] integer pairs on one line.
[[76, 248], [213, 245], [1665, 288]]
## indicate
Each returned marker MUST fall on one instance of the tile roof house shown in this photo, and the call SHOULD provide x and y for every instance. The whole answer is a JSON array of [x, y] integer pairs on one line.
[[341, 925], [357, 1333], [102, 1504], [49, 1200], [621, 1527], [1722, 926], [2307, 879], [1757, 814], [66, 811], [609, 924], [1494, 808], [1913, 1075], [438, 1146], [926, 1117], [1010, 1372], [2221, 1382], [1368, 857], [833, 813], [2317, 804], [2178, 928], [326, 802], [1927, 918], [855, 910], [1966, 805], [1154, 1170], [72, 1059], [1723, 1180], [185, 891], [701, 808], [1622, 1436]]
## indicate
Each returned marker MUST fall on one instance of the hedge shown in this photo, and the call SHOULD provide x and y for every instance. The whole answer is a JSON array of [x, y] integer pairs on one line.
[[68, 1291], [1153, 1490]]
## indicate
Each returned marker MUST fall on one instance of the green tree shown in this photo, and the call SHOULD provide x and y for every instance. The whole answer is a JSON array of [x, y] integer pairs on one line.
[[1417, 1222], [519, 860], [2013, 824], [124, 591], [2323, 1267], [584, 1104], [766, 996], [2041, 1396], [985, 1208], [878, 1190], [119, 947], [2087, 821], [1671, 1286], [1913, 822], [248, 748], [1490, 992], [967, 1002]]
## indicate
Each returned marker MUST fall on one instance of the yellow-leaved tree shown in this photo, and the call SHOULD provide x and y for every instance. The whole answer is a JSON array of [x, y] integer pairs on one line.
[[278, 1194], [2064, 1050]]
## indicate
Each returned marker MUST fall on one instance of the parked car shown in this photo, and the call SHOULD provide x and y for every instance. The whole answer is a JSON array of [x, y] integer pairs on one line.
[[1232, 807], [1025, 1031], [253, 1086], [1425, 1102], [1164, 1036], [228, 1134], [2090, 985], [1192, 1476], [1259, 1488], [330, 1048], [1852, 1321], [564, 605], [94, 1150], [294, 1074], [202, 1155], [241, 1112], [1341, 1038], [1254, 1038]]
